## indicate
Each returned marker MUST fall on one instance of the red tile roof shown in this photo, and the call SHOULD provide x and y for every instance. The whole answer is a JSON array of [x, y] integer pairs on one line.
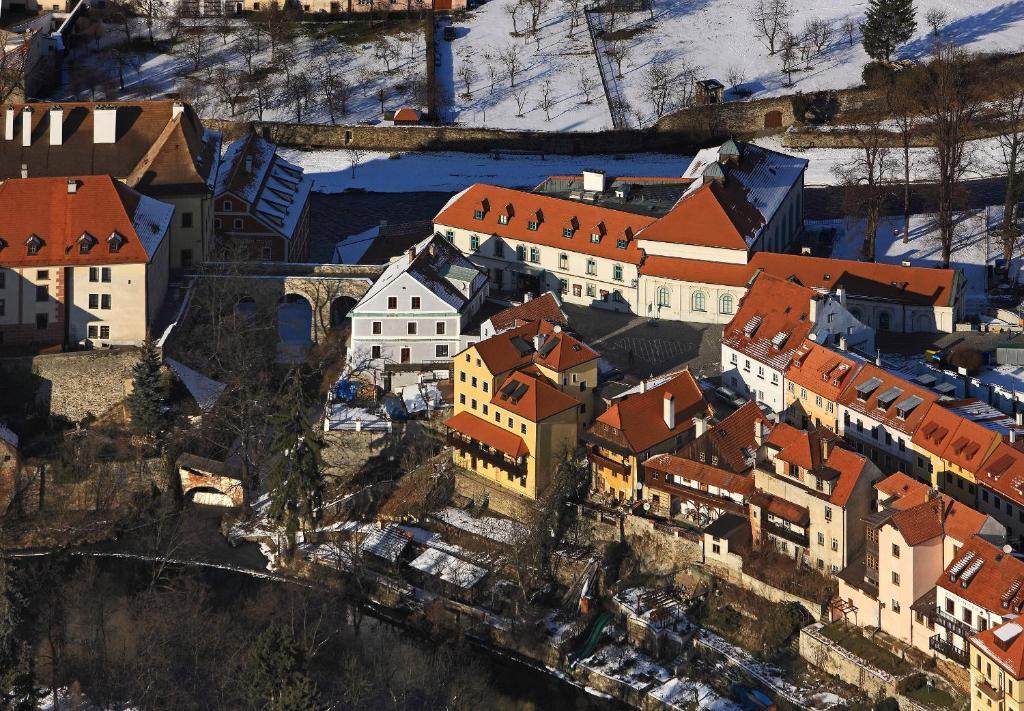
[[544, 307], [1003, 472], [990, 582], [487, 433], [803, 448], [43, 207], [696, 270], [1008, 654], [936, 516], [514, 348], [540, 401], [407, 114], [554, 214], [638, 419], [954, 438], [888, 415], [893, 282], [907, 490], [782, 508], [731, 441], [671, 464], [713, 215], [773, 308], [821, 370], [850, 466]]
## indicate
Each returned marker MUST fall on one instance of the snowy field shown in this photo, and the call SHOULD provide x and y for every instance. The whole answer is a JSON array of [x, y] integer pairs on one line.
[[985, 160], [331, 170]]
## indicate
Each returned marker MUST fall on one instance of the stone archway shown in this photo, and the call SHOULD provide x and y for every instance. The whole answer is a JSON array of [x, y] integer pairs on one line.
[[340, 308], [296, 329]]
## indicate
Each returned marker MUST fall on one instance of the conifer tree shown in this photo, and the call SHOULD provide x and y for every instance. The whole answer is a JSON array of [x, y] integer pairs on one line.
[[293, 472], [146, 402], [17, 688], [275, 675], [887, 25]]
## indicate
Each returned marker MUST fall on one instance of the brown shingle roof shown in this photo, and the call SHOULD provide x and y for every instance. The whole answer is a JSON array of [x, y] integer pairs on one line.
[[776, 306], [821, 370], [544, 307], [539, 401], [888, 415], [483, 431], [727, 440], [671, 464], [990, 582]]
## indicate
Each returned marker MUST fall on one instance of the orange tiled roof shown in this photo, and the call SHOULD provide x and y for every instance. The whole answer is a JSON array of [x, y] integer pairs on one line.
[[515, 348], [540, 400], [1003, 472], [850, 466], [713, 215], [803, 448], [907, 490], [43, 207], [731, 440], [782, 508], [544, 307], [696, 270], [773, 308], [483, 431], [821, 370], [553, 214], [638, 418], [672, 464], [1007, 654], [888, 415], [954, 438], [990, 582], [894, 282], [936, 516]]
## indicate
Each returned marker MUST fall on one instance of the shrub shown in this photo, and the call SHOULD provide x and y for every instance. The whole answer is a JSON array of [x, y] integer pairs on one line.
[[876, 74]]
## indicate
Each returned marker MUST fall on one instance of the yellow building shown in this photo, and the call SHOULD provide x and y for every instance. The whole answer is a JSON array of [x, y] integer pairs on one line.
[[949, 450], [653, 420], [814, 380], [997, 668], [520, 399]]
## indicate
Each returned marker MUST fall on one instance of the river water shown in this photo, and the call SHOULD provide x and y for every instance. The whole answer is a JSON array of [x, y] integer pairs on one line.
[[514, 685]]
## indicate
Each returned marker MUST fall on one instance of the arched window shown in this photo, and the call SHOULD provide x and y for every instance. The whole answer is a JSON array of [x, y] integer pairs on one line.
[[698, 301], [663, 296], [725, 305]]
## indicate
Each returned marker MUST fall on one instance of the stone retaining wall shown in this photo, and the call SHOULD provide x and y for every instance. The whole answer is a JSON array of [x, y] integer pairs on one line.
[[831, 658], [77, 384], [763, 589]]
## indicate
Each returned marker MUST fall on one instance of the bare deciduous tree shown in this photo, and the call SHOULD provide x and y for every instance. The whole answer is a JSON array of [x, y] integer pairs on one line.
[[949, 97], [520, 95], [865, 178], [192, 50], [936, 18], [334, 89], [1011, 145], [735, 76], [618, 52], [771, 18], [903, 111], [585, 81], [512, 59], [536, 8], [657, 86], [789, 52], [467, 73], [229, 85], [849, 28], [818, 33], [512, 8], [386, 50], [574, 10], [547, 98]]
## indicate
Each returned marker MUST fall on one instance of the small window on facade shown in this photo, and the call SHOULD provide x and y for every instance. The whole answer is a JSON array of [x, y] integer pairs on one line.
[[503, 219], [104, 331], [567, 232], [411, 327], [238, 223], [449, 235], [532, 225], [105, 274], [617, 272], [415, 302], [105, 301], [377, 328], [621, 244], [478, 214], [439, 328], [474, 242], [186, 220], [392, 303], [375, 352], [94, 274]]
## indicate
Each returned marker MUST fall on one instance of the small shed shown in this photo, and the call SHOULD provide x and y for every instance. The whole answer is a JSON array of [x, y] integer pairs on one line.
[[709, 91], [407, 116]]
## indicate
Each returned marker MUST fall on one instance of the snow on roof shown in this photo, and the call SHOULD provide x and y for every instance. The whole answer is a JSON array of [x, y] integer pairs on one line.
[[387, 543], [7, 435], [441, 269], [351, 249], [205, 391], [152, 222], [417, 397], [448, 568], [501, 530]]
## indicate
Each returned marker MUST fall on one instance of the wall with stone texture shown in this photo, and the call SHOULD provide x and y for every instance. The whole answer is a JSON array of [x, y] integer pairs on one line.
[[77, 384], [821, 652], [660, 552]]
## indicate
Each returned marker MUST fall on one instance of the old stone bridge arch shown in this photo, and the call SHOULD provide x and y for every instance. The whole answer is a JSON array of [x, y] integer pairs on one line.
[[330, 290]]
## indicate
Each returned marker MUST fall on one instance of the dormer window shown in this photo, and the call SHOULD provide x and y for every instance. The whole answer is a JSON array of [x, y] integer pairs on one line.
[[32, 245], [115, 242], [567, 232], [3, 244], [85, 243], [532, 225], [478, 214], [622, 244], [595, 238]]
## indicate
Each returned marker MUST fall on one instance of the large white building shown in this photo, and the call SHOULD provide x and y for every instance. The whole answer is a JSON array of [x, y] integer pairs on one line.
[[681, 248], [415, 315]]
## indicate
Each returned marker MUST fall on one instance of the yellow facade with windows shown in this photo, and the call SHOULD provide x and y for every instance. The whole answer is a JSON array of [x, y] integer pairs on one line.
[[806, 408], [993, 686]]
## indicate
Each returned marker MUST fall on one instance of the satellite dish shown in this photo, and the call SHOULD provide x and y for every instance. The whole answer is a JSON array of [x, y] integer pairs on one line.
[[647, 506]]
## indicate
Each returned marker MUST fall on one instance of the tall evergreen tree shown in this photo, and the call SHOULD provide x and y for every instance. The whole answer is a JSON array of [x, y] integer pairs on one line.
[[17, 687], [887, 25], [293, 472], [275, 675], [146, 402]]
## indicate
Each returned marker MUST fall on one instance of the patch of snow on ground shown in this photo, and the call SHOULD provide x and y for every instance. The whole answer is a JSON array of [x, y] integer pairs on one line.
[[681, 693], [450, 171]]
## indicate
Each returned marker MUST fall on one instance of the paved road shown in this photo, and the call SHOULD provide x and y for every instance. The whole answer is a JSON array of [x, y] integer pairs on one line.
[[826, 202]]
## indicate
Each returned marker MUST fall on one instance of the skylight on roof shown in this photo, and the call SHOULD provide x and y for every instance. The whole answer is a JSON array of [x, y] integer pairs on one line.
[[752, 325], [886, 399], [865, 389], [779, 339], [904, 408]]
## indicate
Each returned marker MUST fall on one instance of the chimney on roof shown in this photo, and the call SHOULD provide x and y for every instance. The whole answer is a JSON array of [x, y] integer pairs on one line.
[[1018, 415], [668, 410], [700, 424], [26, 126], [643, 385], [826, 448], [537, 341], [9, 124], [878, 357], [1013, 436], [24, 170], [104, 124], [593, 180], [72, 186], [557, 328], [843, 344], [527, 297], [411, 254], [56, 125], [758, 433], [177, 109]]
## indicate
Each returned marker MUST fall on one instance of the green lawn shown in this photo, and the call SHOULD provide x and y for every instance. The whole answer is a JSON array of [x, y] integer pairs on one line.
[[936, 698], [858, 644]]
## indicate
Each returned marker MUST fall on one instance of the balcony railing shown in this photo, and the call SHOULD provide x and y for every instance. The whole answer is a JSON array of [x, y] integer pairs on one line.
[[985, 688], [947, 649], [957, 627], [475, 449]]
